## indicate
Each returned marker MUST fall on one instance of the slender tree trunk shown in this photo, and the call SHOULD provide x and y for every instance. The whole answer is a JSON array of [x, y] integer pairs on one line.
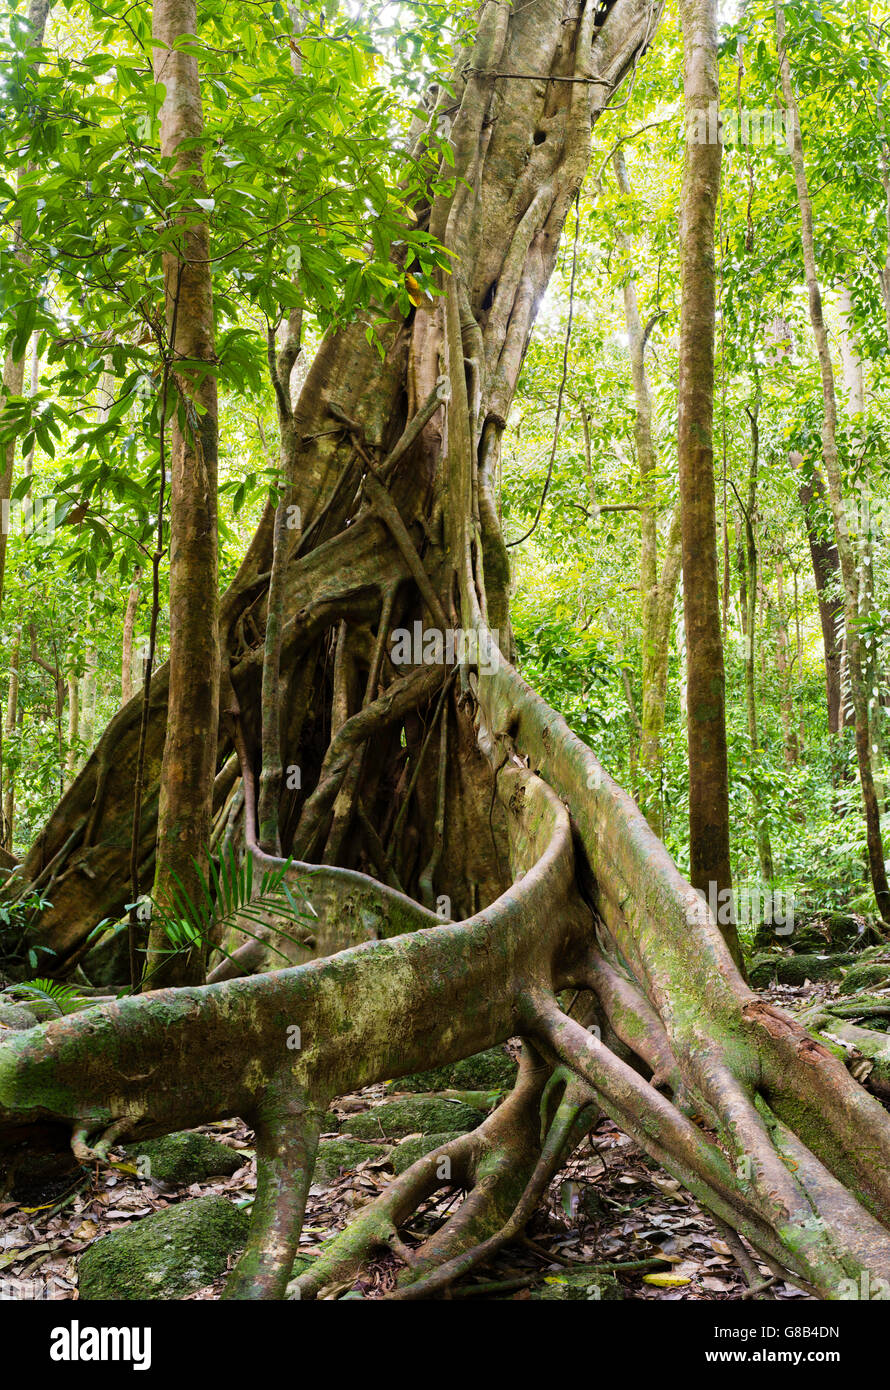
[[12, 711], [658, 589], [783, 670], [854, 383], [858, 689], [129, 630], [13, 378], [14, 367], [708, 762], [189, 764], [801, 726], [884, 275], [750, 590], [73, 728], [89, 694], [826, 573]]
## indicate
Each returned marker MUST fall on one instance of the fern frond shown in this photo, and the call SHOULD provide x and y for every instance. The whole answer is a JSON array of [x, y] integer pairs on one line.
[[47, 991], [228, 898]]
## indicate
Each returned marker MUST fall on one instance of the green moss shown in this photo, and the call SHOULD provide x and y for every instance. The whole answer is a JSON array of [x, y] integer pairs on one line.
[[410, 1150], [165, 1255], [814, 933], [16, 1017], [861, 976], [795, 970], [342, 1155], [301, 1264], [413, 1115], [493, 1069], [185, 1158]]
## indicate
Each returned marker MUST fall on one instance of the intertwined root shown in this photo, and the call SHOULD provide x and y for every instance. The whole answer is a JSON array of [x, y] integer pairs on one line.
[[756, 1118], [503, 1168]]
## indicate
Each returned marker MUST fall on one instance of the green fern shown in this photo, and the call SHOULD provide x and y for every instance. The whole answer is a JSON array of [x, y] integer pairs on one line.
[[49, 992], [227, 897]]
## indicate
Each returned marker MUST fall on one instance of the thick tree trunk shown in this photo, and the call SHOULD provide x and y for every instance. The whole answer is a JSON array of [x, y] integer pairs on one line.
[[340, 571], [711, 871], [189, 762], [858, 687]]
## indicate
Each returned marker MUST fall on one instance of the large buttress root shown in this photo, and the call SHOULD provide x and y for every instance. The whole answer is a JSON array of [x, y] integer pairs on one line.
[[365, 1014]]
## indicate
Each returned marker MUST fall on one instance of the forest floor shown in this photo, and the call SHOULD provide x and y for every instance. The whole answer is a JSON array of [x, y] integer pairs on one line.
[[610, 1205]]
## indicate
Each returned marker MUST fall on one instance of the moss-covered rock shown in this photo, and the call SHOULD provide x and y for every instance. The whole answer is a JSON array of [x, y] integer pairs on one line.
[[493, 1069], [185, 1158], [413, 1115], [336, 1156], [795, 970], [862, 1001], [410, 1150], [815, 933], [485, 1071], [870, 973], [165, 1255], [578, 1285], [17, 1017], [301, 1264]]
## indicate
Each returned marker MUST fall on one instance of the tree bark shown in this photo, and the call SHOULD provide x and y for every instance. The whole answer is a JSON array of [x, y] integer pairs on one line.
[[658, 588], [783, 670], [750, 589], [130, 612], [189, 762], [826, 573], [709, 854], [12, 711]]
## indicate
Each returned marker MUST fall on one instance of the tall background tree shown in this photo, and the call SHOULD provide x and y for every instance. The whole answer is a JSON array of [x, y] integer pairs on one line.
[[709, 855], [189, 393]]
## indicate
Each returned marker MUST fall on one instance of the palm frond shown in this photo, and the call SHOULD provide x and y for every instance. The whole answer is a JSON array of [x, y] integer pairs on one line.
[[46, 991], [227, 898]]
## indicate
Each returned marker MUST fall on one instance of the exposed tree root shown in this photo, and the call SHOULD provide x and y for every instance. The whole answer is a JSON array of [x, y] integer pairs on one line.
[[763, 1156]]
